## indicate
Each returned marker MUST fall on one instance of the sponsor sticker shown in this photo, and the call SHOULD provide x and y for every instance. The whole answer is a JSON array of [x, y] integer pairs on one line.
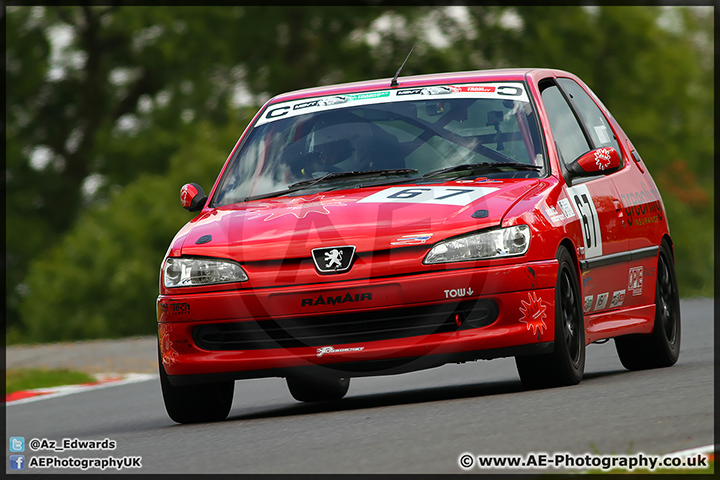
[[323, 350], [601, 132], [458, 292], [335, 299], [368, 95], [602, 158], [175, 308], [587, 305], [642, 206], [187, 194], [474, 88], [635, 280], [617, 299], [412, 239], [566, 208], [554, 216], [299, 207], [601, 301], [534, 313]]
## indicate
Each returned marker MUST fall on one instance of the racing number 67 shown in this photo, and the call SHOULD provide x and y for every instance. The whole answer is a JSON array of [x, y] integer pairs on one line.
[[414, 192], [584, 212], [590, 222]]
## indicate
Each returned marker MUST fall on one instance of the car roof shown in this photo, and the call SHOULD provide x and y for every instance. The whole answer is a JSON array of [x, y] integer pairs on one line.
[[497, 75]]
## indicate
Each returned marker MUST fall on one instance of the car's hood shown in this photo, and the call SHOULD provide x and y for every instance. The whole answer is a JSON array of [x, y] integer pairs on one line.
[[371, 219]]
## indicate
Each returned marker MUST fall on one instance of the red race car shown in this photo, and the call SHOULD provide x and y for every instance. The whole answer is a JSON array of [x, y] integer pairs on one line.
[[382, 227]]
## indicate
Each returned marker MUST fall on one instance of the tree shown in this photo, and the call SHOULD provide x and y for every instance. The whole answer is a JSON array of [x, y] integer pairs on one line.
[[111, 109], [649, 66], [99, 95], [101, 279], [84, 84]]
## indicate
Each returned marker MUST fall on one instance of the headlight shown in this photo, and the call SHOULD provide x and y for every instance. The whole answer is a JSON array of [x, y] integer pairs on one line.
[[193, 272], [503, 242]]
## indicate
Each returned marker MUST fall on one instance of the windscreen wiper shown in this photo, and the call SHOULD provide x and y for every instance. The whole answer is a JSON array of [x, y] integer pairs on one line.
[[483, 167], [362, 173], [311, 182]]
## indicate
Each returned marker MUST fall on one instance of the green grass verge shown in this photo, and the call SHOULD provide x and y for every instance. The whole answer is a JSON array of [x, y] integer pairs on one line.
[[710, 469], [26, 379], [675, 471]]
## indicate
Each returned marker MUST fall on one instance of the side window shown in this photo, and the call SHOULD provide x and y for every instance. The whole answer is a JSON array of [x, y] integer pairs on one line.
[[591, 115], [568, 135]]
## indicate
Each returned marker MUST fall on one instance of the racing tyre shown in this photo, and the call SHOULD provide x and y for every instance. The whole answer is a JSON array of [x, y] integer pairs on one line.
[[565, 366], [207, 402], [662, 347], [317, 389]]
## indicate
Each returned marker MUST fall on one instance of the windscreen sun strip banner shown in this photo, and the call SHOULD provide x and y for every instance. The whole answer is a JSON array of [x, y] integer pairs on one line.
[[504, 90]]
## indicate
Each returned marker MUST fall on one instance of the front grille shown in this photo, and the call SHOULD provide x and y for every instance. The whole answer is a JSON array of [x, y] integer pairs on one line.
[[320, 330]]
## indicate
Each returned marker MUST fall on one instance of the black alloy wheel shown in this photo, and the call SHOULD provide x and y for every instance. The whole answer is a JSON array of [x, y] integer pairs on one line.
[[566, 365], [662, 347], [206, 402]]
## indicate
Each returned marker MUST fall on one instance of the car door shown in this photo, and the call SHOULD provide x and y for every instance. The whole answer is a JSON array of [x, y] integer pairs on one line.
[[577, 128], [639, 197]]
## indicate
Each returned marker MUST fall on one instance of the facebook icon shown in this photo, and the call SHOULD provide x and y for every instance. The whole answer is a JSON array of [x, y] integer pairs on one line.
[[17, 462]]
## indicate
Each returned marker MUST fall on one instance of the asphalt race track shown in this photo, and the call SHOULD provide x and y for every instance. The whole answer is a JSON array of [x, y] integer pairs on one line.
[[414, 423]]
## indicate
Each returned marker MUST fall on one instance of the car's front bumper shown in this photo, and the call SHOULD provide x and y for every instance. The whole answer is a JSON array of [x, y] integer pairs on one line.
[[292, 329]]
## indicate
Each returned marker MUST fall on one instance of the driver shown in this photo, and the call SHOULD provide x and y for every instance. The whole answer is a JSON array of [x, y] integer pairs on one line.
[[323, 158]]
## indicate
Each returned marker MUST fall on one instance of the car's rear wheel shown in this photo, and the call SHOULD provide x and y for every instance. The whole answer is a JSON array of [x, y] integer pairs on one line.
[[662, 347], [206, 402], [317, 389], [565, 366]]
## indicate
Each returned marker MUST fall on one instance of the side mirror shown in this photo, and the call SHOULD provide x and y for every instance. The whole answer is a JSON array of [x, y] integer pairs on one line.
[[192, 197], [595, 162]]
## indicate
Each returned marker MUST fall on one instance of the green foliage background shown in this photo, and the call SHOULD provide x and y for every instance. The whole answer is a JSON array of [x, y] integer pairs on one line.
[[101, 133], [103, 275]]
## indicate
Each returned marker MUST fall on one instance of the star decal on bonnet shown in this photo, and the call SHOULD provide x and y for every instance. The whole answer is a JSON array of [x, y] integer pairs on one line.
[[298, 206]]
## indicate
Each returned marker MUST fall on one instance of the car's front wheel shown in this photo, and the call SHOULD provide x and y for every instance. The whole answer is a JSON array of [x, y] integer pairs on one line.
[[206, 402], [662, 347], [566, 365], [317, 389]]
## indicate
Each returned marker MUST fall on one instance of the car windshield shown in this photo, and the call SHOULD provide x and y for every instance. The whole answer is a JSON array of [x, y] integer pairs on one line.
[[487, 129]]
